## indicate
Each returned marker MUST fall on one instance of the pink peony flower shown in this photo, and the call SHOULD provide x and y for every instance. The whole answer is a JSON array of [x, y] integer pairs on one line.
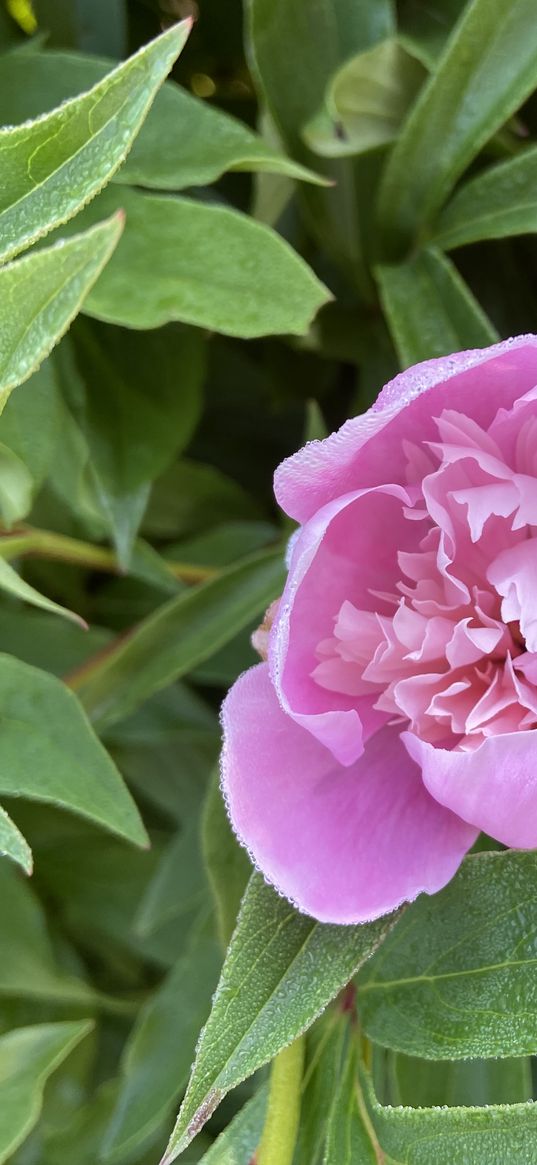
[[395, 717]]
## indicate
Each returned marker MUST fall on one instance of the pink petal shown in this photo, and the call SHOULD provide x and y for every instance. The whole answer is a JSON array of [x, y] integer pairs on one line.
[[338, 556], [405, 411], [494, 787], [468, 644], [513, 573], [345, 844]]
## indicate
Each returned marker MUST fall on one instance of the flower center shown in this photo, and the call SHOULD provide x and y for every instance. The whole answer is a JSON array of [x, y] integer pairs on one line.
[[451, 649]]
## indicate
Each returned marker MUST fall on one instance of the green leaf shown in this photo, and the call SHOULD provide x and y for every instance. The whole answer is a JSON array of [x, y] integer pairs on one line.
[[192, 497], [183, 142], [347, 1139], [134, 423], [423, 1083], [13, 584], [430, 310], [455, 1136], [159, 1051], [487, 71], [81, 1138], [167, 749], [501, 201], [38, 638], [227, 863], [28, 1056], [48, 752], [178, 884], [12, 844], [226, 542], [294, 51], [96, 889], [219, 269], [178, 636], [41, 293], [324, 1045], [29, 969], [15, 487], [457, 977], [237, 1144], [366, 101], [51, 167], [31, 420], [267, 995]]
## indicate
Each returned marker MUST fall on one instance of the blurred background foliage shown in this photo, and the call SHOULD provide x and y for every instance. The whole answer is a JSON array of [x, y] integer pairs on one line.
[[397, 157]]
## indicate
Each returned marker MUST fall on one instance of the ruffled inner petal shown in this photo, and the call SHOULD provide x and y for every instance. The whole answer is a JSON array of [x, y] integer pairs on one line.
[[448, 647]]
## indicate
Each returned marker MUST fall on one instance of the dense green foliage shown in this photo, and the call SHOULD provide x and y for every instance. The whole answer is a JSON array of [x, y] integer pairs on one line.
[[197, 275]]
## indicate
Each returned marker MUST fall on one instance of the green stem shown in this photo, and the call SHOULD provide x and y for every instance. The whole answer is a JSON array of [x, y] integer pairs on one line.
[[48, 544], [278, 1140]]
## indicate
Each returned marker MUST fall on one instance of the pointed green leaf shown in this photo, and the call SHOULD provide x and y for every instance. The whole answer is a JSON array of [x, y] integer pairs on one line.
[[48, 752], [219, 269], [41, 293], [267, 995], [430, 310], [501, 201], [366, 101], [12, 844], [28, 1056], [13, 584], [492, 1135], [457, 977], [178, 636], [184, 141], [51, 167], [488, 69], [134, 423]]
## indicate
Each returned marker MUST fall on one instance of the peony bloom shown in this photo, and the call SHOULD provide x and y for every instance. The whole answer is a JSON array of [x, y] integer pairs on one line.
[[395, 716]]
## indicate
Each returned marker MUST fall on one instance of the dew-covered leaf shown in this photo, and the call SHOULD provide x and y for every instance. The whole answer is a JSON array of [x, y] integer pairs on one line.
[[41, 293], [281, 970], [456, 979], [52, 166], [184, 141]]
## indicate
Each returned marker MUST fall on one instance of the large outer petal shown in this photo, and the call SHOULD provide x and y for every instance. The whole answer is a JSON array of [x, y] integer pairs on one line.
[[345, 844], [476, 382], [494, 788], [346, 550]]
